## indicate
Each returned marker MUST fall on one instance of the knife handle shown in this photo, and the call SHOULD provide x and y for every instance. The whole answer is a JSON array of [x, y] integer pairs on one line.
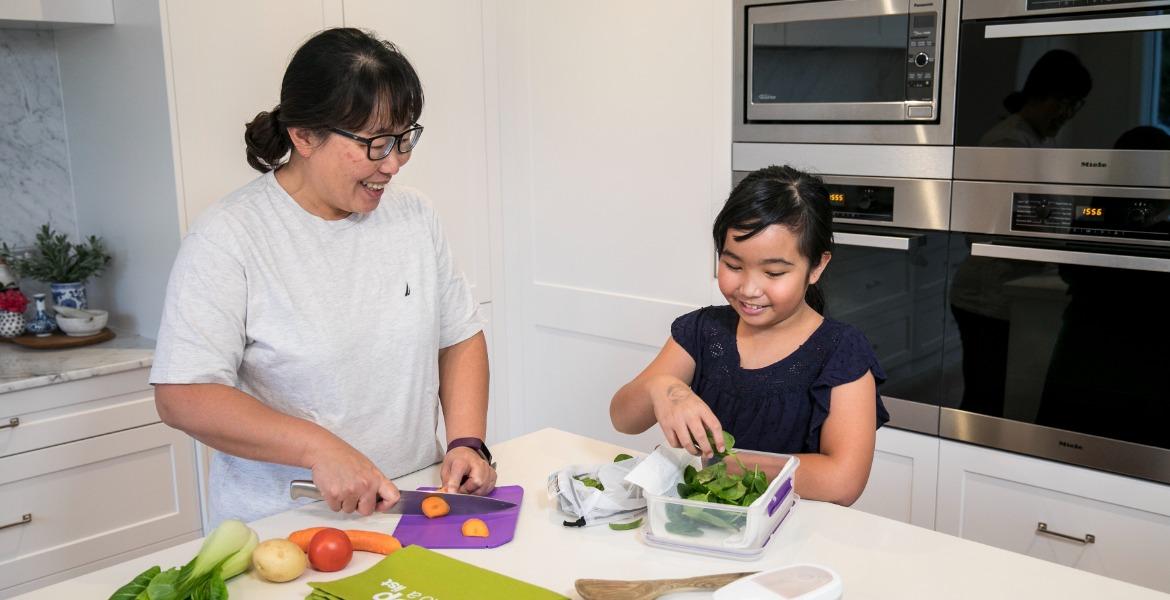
[[304, 488]]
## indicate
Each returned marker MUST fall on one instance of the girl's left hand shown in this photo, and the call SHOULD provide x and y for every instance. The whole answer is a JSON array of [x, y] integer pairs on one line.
[[464, 471]]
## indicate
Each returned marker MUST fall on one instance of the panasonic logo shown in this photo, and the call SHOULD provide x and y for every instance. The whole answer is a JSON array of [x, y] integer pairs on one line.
[[1072, 445], [1095, 164]]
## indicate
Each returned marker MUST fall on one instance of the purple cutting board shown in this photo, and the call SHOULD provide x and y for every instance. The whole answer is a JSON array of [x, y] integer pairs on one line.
[[447, 532]]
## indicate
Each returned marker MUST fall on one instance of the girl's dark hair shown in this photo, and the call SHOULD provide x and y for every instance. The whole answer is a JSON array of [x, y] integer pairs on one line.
[[343, 77], [781, 196], [1057, 74]]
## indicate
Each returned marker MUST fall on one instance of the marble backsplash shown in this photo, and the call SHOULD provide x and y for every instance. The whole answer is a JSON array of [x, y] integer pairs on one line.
[[35, 182]]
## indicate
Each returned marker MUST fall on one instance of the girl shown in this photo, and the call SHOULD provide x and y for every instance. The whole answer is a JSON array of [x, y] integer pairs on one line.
[[768, 368]]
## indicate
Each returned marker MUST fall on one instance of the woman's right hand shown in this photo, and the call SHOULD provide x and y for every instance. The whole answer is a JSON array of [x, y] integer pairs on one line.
[[685, 419], [349, 482]]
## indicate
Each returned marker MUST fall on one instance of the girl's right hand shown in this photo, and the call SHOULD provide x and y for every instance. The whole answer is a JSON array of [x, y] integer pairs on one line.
[[350, 482], [685, 420]]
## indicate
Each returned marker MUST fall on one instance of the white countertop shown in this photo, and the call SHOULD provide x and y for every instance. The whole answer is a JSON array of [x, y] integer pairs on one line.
[[23, 368], [876, 557]]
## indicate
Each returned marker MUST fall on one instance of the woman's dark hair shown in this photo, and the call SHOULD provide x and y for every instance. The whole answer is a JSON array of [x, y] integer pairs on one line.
[[781, 196], [1058, 74], [344, 78]]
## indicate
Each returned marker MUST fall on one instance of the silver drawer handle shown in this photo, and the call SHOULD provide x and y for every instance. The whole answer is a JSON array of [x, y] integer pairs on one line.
[[25, 519], [13, 422], [1089, 538]]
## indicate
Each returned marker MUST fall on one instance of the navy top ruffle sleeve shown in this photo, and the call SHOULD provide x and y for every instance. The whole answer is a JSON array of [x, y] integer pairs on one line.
[[779, 408]]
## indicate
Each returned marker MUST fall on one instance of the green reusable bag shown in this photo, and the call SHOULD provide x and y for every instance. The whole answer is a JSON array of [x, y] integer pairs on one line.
[[415, 569]]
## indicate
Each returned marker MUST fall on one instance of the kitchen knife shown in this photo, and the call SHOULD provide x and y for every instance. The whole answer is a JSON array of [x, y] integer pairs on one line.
[[411, 501]]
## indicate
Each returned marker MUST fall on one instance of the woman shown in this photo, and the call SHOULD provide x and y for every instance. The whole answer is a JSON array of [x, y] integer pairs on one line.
[[315, 322]]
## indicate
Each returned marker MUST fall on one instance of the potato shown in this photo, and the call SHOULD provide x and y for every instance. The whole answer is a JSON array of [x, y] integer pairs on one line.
[[279, 560]]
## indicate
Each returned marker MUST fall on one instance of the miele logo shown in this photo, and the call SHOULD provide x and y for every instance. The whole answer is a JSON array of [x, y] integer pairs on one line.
[[1095, 164], [1072, 445], [923, 4]]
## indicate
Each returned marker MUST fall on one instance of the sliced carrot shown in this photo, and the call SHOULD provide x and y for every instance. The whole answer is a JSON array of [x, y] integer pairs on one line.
[[434, 506], [302, 537], [373, 541], [474, 528]]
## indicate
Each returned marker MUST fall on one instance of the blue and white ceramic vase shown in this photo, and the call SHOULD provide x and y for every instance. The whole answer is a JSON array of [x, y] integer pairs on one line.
[[69, 294], [42, 324]]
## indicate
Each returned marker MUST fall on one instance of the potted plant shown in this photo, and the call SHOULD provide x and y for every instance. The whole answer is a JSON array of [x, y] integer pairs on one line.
[[63, 265], [12, 305]]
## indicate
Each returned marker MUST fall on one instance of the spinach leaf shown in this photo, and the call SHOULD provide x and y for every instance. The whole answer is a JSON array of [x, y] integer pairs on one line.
[[590, 482], [621, 457], [636, 523]]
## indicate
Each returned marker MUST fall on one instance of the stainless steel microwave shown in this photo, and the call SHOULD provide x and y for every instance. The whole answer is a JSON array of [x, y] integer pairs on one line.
[[844, 71]]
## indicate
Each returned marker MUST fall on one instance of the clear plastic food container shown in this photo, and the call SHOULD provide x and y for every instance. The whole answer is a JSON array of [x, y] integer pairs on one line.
[[724, 530]]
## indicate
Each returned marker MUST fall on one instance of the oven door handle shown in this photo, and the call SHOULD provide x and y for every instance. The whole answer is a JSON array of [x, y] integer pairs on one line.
[[1048, 28], [1072, 257], [869, 240]]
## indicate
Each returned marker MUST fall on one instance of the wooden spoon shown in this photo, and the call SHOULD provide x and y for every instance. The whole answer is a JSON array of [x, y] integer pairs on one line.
[[648, 589]]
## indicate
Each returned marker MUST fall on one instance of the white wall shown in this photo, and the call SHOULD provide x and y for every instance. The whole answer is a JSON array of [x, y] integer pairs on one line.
[[118, 125]]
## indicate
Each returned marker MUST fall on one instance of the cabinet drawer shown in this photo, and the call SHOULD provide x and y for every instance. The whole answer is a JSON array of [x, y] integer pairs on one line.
[[1000, 499], [94, 498], [67, 412]]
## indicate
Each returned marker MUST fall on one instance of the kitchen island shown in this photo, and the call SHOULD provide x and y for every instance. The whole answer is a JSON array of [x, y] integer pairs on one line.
[[876, 557]]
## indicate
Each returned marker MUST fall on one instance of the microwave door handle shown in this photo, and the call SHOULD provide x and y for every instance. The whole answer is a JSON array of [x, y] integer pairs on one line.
[[886, 242], [1071, 257], [1049, 28]]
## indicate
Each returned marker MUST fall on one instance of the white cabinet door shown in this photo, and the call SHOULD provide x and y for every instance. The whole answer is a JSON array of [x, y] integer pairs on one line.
[[77, 503], [1107, 524], [226, 62], [444, 42], [903, 479], [614, 147]]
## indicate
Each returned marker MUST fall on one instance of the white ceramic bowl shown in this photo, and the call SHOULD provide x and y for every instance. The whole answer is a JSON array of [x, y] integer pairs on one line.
[[77, 326]]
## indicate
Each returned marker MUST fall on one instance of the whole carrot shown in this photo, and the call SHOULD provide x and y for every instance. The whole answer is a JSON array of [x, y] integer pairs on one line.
[[366, 541], [302, 537]]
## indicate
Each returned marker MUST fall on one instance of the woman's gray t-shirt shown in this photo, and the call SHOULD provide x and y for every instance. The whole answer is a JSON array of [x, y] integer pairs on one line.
[[338, 322]]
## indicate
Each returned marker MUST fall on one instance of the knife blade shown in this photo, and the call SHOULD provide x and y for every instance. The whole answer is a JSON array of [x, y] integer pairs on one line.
[[411, 501]]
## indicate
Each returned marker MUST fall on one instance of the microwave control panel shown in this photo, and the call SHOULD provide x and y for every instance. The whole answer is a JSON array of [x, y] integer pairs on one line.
[[1054, 4], [1093, 216], [921, 53], [864, 202]]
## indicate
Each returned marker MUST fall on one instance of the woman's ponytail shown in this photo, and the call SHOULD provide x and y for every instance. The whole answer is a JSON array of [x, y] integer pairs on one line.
[[266, 140]]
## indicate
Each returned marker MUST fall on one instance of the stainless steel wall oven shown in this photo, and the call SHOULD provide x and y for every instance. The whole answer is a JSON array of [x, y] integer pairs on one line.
[[1058, 298], [844, 71], [1064, 91]]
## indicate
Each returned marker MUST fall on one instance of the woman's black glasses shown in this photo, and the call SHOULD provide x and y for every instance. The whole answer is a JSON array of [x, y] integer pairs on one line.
[[380, 146]]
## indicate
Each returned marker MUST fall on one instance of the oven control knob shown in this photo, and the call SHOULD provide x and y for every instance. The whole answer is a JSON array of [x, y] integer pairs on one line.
[[1043, 212], [922, 59], [1138, 215]]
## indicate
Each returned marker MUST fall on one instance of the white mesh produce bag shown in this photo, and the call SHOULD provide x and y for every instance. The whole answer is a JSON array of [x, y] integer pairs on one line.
[[586, 505]]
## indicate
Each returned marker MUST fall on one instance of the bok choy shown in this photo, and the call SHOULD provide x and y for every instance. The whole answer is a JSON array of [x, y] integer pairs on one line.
[[225, 553]]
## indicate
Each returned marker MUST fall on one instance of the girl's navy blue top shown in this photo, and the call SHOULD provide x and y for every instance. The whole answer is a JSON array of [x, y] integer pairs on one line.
[[779, 408]]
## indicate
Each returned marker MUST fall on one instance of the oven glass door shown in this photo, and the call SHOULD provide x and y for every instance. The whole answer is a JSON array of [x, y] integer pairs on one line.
[[891, 284], [1061, 334], [1097, 81]]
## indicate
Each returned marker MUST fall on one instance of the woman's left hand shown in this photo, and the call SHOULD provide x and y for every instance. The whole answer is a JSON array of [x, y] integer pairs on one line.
[[466, 472]]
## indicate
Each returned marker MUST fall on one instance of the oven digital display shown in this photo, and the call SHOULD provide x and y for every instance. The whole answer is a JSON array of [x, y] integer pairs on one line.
[[865, 202], [1093, 214]]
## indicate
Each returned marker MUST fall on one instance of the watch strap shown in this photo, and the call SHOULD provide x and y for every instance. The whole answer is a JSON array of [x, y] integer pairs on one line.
[[471, 442]]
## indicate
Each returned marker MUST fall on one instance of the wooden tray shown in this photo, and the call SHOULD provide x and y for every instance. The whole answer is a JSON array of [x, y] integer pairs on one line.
[[58, 340]]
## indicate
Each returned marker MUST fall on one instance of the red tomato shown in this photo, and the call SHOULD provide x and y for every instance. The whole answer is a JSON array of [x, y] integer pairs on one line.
[[330, 550]]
